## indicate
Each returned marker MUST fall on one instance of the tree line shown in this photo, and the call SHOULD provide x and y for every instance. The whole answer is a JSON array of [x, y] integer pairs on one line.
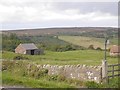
[[10, 42]]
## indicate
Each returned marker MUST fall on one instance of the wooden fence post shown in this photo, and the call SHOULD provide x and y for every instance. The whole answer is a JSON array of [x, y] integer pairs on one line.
[[112, 71], [104, 71]]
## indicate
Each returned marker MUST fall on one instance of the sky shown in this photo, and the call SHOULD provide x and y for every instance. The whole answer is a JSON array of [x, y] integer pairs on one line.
[[21, 14]]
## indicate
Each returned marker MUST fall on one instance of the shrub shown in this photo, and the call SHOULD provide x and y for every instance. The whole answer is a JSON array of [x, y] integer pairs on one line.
[[75, 81], [52, 77], [20, 58], [113, 82], [36, 72], [41, 73], [91, 47], [92, 84], [7, 65], [98, 48], [61, 78], [4, 67], [56, 78]]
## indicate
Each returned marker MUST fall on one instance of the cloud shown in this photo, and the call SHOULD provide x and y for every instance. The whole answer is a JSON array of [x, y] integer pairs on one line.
[[34, 11], [22, 11]]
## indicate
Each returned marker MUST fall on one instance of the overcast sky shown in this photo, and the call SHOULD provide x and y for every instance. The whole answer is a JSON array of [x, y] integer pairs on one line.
[[17, 14]]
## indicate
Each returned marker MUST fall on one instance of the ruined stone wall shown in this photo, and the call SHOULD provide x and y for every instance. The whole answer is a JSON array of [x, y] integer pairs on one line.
[[80, 72]]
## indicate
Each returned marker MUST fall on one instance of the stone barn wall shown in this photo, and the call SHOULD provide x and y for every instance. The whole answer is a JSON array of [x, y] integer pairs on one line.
[[20, 49], [80, 72]]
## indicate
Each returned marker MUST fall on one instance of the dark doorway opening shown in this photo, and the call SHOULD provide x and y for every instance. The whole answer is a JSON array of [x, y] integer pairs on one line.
[[32, 52]]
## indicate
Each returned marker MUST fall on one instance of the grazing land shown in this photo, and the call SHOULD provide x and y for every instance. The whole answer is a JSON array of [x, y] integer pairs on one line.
[[88, 57], [84, 41], [87, 41], [62, 46]]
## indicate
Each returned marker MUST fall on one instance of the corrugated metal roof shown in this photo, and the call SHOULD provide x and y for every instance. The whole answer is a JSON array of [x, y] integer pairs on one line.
[[29, 46]]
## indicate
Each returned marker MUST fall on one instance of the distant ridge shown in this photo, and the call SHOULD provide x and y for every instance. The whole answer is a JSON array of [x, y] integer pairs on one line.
[[55, 28], [41, 31]]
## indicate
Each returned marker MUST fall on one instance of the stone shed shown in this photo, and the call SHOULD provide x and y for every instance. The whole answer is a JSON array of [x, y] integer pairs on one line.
[[115, 50], [28, 48]]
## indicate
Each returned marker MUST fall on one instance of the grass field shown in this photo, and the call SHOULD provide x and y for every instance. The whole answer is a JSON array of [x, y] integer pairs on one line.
[[87, 41], [16, 75], [88, 57], [9, 79]]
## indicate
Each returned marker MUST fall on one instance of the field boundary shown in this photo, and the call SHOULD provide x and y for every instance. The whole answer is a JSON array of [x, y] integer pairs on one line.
[[113, 71]]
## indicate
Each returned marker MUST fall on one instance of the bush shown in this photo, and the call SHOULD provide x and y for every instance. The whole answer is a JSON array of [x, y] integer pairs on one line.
[[20, 58], [7, 65], [61, 78], [42, 72], [75, 82], [36, 72], [4, 67], [98, 48], [69, 47], [113, 82], [56, 78], [91, 47], [52, 77], [92, 84]]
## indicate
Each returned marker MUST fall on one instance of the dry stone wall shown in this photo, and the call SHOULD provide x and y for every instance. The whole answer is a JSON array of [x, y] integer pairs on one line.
[[80, 72]]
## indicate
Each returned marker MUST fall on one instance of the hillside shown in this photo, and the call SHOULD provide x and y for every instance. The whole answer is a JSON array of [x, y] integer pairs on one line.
[[84, 31], [87, 41], [52, 43]]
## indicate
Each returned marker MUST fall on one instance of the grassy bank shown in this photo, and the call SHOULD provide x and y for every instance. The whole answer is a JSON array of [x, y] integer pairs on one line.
[[17, 74], [11, 80]]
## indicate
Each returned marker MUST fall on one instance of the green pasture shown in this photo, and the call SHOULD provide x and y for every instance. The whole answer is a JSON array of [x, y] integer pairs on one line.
[[87, 41], [88, 57]]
